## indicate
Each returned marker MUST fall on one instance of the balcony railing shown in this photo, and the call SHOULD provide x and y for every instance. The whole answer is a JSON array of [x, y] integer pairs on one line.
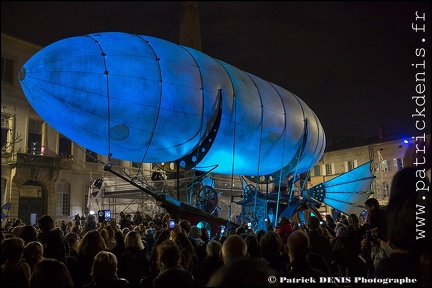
[[18, 159]]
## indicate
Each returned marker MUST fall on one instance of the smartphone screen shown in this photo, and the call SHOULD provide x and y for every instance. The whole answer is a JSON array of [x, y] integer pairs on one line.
[[249, 225], [107, 215], [104, 215], [171, 223]]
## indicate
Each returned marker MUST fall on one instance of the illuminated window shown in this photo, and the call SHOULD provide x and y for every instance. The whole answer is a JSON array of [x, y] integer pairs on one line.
[[385, 189], [91, 156], [34, 136], [63, 198], [7, 70], [399, 164], [385, 166], [65, 147]]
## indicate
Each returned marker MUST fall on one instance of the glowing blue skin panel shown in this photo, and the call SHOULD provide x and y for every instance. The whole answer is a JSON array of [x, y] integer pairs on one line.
[[145, 99]]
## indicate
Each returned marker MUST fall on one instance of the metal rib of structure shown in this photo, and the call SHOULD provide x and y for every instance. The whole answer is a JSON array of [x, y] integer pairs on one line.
[[144, 99]]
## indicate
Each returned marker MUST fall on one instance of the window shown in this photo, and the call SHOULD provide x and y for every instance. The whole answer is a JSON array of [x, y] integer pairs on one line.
[[91, 156], [385, 189], [352, 165], [385, 166], [382, 189], [317, 170], [63, 199], [34, 136], [7, 70], [399, 164], [65, 147], [5, 128], [136, 164], [329, 169]]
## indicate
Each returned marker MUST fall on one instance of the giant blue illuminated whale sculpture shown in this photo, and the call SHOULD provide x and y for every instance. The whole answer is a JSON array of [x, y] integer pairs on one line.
[[144, 99]]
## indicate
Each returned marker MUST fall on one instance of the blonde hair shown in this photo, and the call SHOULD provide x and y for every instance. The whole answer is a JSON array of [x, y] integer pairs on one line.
[[104, 265], [133, 240]]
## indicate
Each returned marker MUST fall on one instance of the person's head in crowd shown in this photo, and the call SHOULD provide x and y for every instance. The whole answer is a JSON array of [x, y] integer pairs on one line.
[[91, 244], [253, 246], [233, 247], [313, 223], [46, 223], [51, 272], [240, 230], [104, 266], [195, 232], [298, 245], [149, 233], [270, 244], [329, 218], [375, 234], [186, 225], [17, 222], [376, 215], [91, 223], [28, 233], [169, 254], [340, 229], [243, 272], [353, 221], [33, 253], [16, 231], [133, 241], [213, 248], [371, 204], [284, 220], [11, 249]]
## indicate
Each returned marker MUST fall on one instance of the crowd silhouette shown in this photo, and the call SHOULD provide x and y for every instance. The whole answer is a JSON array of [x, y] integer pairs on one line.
[[143, 251]]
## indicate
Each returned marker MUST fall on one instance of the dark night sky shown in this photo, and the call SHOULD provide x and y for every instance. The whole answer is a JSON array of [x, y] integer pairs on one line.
[[349, 61]]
